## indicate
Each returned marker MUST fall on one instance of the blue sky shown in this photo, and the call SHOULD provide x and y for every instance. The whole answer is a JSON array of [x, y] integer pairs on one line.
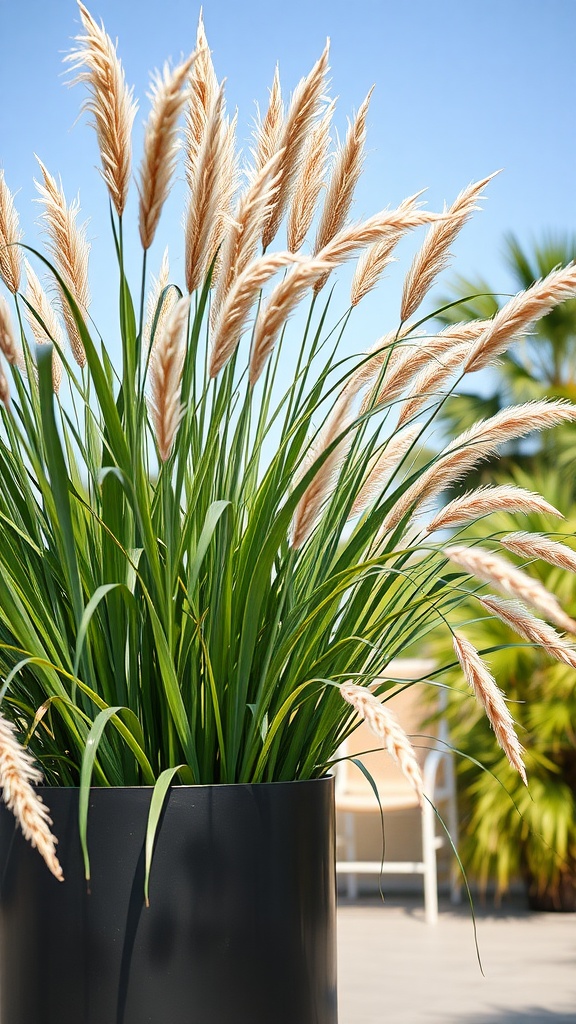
[[461, 90]]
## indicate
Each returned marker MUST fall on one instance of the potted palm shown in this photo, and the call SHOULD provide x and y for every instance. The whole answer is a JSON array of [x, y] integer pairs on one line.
[[210, 552]]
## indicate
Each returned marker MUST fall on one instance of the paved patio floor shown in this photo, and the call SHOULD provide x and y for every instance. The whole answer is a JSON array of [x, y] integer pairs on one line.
[[395, 969]]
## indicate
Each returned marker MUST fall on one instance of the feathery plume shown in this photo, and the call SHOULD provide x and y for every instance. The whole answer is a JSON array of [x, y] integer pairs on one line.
[[491, 568], [428, 383], [375, 229], [532, 545], [159, 284], [322, 485], [343, 180], [530, 628], [310, 181], [489, 695], [415, 356], [289, 293], [274, 313], [516, 316], [236, 307], [245, 229], [227, 185], [10, 235], [434, 256], [8, 345], [300, 118], [47, 328], [17, 773], [374, 261], [484, 500], [382, 466], [203, 202], [4, 389], [384, 725], [69, 249], [110, 103], [167, 97], [479, 442], [166, 365], [268, 132], [202, 95]]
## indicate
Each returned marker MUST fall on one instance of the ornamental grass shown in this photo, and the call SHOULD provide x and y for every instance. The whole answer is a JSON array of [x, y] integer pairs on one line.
[[213, 546]]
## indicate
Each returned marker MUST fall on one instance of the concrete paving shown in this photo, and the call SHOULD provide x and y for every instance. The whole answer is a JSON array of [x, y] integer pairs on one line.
[[395, 969]]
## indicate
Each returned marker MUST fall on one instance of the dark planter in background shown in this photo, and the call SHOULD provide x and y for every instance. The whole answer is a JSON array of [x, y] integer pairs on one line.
[[241, 923]]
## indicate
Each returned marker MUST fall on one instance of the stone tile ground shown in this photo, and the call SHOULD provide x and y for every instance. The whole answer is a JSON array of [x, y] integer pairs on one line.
[[395, 969]]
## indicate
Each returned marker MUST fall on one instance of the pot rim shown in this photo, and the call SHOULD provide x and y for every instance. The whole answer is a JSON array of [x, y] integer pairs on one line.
[[196, 786]]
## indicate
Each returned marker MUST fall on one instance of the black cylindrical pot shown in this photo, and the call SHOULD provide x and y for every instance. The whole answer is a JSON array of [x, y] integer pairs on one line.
[[240, 927]]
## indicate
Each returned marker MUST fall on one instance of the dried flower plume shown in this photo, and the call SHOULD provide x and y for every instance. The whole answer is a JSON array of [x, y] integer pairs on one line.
[[69, 248], [384, 725], [492, 700], [10, 235], [110, 103], [166, 365], [167, 97], [292, 140], [17, 773], [510, 580]]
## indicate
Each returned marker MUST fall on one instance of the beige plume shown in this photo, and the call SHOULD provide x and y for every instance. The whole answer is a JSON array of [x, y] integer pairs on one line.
[[4, 389], [10, 235], [321, 487], [297, 126], [310, 181], [427, 384], [491, 568], [342, 185], [434, 255], [203, 90], [492, 700], [484, 500], [268, 131], [374, 261], [289, 292], [470, 448], [381, 467], [167, 97], [236, 308], [530, 628], [8, 346], [245, 229], [17, 773], [69, 248], [515, 317], [384, 725], [532, 545], [166, 365], [110, 103], [274, 313], [203, 201]]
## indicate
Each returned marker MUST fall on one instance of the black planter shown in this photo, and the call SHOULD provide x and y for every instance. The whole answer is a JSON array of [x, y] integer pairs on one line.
[[241, 923]]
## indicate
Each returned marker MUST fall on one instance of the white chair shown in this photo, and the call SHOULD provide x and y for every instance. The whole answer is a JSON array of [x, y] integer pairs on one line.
[[355, 796]]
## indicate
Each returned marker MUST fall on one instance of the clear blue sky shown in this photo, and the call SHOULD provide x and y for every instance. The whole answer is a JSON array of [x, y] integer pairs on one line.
[[461, 89]]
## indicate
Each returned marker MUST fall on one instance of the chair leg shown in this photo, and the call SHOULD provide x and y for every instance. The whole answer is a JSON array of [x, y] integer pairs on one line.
[[429, 859], [350, 835], [452, 823]]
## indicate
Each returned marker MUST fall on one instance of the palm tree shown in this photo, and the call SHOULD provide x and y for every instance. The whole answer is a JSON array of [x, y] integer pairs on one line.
[[508, 831]]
